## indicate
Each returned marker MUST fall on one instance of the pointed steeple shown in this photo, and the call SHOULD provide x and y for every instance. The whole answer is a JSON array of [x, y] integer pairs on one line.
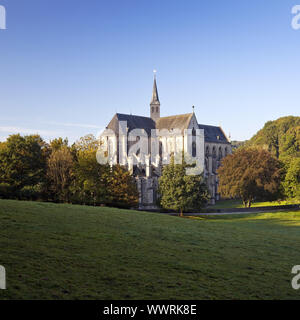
[[155, 104], [155, 98]]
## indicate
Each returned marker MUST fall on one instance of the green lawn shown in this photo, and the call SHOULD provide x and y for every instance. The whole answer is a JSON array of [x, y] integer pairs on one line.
[[225, 204], [55, 251]]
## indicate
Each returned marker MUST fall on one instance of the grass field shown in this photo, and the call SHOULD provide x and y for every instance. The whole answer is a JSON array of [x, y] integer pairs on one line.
[[225, 204], [55, 251]]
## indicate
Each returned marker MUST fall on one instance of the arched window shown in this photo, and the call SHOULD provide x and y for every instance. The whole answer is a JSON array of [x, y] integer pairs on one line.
[[207, 152], [152, 109], [157, 109], [194, 150], [226, 151], [214, 160], [214, 152], [194, 132], [214, 166], [160, 148], [220, 153]]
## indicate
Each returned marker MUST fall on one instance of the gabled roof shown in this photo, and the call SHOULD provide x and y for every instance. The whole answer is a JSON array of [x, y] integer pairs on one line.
[[181, 122], [133, 122], [213, 134]]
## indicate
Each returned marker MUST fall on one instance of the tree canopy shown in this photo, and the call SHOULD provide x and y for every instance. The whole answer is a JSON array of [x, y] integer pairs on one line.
[[181, 192], [250, 174], [32, 169], [281, 137], [292, 180], [22, 161]]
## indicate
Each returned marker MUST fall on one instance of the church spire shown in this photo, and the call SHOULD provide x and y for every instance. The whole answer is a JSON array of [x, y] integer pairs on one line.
[[155, 104], [155, 98]]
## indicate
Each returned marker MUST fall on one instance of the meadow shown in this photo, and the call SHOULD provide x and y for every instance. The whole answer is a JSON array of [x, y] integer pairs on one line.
[[226, 204], [61, 251]]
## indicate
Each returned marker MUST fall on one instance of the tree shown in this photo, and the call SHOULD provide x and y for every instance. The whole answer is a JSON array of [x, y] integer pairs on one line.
[[281, 137], [291, 143], [22, 161], [121, 187], [89, 185], [250, 174], [59, 172], [292, 180], [87, 143], [181, 192], [58, 143]]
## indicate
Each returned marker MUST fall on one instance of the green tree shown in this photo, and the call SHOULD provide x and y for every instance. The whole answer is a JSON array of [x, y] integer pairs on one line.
[[58, 143], [292, 180], [22, 161], [89, 184], [87, 143], [181, 192], [291, 144], [250, 174], [281, 137], [59, 172], [121, 188]]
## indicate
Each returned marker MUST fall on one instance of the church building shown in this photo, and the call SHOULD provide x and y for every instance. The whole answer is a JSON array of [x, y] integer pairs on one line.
[[212, 147]]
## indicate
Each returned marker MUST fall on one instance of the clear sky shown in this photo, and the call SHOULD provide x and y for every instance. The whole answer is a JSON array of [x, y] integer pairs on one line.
[[67, 66]]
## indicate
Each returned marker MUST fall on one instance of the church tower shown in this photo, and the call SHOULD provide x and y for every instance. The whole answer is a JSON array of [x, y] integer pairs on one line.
[[155, 104]]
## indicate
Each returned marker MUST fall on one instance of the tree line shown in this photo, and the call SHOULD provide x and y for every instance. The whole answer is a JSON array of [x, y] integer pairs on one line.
[[267, 167], [31, 169]]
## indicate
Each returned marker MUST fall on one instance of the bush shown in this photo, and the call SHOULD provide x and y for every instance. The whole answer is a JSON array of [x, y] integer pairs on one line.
[[31, 192]]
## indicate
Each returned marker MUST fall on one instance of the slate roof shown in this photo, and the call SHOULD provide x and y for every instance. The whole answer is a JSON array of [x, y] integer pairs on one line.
[[213, 134], [180, 121], [133, 122]]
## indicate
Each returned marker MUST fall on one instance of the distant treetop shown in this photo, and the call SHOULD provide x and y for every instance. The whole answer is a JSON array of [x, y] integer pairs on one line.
[[281, 137]]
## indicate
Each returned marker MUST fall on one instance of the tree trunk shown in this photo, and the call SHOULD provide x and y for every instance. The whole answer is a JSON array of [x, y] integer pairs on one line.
[[181, 213]]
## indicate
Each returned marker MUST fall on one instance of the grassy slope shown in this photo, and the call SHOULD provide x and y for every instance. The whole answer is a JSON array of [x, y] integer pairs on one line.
[[225, 204], [65, 252]]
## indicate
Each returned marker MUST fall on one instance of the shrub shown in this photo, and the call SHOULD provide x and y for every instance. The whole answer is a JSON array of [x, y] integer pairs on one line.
[[31, 192]]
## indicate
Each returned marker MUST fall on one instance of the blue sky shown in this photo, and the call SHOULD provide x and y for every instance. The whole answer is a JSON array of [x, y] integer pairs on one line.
[[67, 66]]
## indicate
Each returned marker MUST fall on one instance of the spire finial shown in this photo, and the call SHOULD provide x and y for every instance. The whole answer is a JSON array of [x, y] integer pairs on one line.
[[154, 73], [193, 109]]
